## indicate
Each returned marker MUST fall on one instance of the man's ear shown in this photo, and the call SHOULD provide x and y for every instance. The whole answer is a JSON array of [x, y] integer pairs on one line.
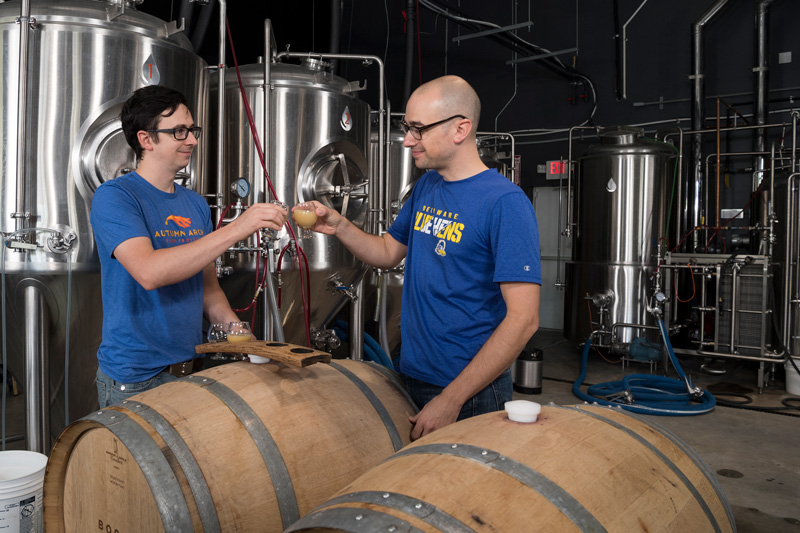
[[463, 129], [145, 140]]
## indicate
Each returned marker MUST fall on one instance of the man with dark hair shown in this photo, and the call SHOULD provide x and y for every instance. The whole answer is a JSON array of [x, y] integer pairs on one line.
[[157, 251], [472, 272]]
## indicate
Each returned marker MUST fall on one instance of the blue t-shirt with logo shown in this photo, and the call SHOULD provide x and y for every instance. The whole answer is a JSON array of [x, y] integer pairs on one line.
[[144, 331], [464, 238]]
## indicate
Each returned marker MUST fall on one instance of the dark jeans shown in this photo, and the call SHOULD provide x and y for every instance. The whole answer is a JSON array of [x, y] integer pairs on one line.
[[490, 399], [111, 391]]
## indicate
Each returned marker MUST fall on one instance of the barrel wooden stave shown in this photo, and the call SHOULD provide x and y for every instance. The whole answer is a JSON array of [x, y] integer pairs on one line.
[[325, 428], [622, 473]]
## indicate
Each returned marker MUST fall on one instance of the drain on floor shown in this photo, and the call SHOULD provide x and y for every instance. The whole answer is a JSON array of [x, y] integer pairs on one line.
[[729, 473]]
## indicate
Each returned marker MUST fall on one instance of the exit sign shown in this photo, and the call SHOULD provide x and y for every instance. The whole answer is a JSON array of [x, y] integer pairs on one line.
[[556, 170]]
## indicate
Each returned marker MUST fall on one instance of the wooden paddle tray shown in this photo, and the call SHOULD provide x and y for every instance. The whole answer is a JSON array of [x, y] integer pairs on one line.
[[290, 354]]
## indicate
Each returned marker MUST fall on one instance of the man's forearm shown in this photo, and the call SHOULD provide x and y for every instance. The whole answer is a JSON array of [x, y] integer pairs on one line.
[[494, 357], [372, 249]]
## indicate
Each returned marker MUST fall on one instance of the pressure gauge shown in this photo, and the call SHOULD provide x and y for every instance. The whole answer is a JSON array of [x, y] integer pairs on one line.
[[241, 188]]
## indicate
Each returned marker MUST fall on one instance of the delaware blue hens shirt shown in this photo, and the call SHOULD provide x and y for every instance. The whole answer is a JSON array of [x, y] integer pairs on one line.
[[463, 238]]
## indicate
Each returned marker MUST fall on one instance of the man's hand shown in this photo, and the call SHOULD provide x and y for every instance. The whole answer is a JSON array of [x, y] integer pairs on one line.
[[327, 219], [258, 216], [437, 413]]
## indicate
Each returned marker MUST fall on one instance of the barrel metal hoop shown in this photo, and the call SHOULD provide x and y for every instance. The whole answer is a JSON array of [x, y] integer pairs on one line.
[[273, 460], [560, 498], [406, 504], [352, 520], [395, 378], [699, 463], [163, 484], [655, 451], [186, 460], [397, 442]]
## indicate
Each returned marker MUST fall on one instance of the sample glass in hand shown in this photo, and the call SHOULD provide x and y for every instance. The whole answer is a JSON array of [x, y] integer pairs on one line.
[[239, 332], [305, 215]]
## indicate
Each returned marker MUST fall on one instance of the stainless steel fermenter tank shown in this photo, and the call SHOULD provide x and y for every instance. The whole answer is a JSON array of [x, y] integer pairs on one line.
[[85, 59], [401, 177], [318, 150], [621, 207]]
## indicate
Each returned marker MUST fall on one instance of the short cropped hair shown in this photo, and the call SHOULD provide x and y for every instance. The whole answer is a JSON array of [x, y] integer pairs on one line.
[[144, 109]]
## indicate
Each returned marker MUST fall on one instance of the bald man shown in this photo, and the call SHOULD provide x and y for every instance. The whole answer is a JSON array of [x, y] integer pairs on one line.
[[472, 273]]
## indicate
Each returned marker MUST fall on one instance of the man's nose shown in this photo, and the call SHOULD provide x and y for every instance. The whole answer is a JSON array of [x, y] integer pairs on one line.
[[409, 140]]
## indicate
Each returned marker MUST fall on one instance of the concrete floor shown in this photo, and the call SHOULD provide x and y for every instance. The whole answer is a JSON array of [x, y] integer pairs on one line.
[[755, 454]]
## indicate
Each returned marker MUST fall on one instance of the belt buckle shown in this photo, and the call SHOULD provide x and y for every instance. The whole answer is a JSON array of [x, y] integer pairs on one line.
[[182, 369]]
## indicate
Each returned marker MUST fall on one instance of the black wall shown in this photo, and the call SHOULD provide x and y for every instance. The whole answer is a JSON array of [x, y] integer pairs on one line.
[[658, 62]]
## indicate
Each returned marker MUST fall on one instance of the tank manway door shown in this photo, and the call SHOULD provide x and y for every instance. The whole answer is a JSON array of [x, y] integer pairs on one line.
[[336, 178]]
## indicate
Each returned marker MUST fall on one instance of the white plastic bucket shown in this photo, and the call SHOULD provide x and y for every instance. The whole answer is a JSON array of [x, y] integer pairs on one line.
[[21, 482], [792, 377]]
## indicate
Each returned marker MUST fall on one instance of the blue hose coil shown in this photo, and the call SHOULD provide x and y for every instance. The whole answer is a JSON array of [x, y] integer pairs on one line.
[[644, 393]]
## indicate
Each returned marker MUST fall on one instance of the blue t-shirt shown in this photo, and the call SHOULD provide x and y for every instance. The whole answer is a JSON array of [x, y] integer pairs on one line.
[[464, 238], [144, 331]]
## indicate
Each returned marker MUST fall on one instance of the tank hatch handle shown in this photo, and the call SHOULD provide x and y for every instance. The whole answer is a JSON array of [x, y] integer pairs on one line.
[[354, 87]]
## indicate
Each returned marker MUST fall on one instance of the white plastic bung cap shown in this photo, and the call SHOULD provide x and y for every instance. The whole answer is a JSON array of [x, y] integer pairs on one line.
[[257, 359], [523, 411]]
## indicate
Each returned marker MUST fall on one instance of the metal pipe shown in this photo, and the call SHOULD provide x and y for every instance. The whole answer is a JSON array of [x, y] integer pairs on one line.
[[357, 322], [22, 214], [408, 65], [220, 181], [271, 315], [336, 30], [568, 230], [780, 359], [695, 184], [734, 311], [717, 206], [760, 81], [625, 51], [37, 412], [790, 254], [794, 140]]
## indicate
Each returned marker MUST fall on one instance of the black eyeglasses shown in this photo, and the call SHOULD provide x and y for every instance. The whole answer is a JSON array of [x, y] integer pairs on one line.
[[417, 131], [181, 133]]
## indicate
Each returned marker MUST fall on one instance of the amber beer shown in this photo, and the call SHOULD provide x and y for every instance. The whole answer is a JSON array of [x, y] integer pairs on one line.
[[305, 215], [305, 218], [241, 337]]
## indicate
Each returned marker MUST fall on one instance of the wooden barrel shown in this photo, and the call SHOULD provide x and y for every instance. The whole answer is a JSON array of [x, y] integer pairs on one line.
[[238, 447], [578, 468]]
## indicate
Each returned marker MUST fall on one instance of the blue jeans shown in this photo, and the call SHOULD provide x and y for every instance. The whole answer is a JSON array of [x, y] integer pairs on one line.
[[490, 399], [111, 391]]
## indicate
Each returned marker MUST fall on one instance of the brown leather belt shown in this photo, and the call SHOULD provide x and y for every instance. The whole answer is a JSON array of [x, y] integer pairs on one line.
[[185, 368]]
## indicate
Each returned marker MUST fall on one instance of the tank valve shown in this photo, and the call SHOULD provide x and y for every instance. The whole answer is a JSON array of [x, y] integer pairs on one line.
[[222, 270], [60, 243], [337, 287], [325, 339]]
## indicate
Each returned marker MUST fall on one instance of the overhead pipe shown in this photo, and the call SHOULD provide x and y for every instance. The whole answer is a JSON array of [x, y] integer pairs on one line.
[[408, 66], [220, 182], [694, 187], [760, 100], [336, 31]]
